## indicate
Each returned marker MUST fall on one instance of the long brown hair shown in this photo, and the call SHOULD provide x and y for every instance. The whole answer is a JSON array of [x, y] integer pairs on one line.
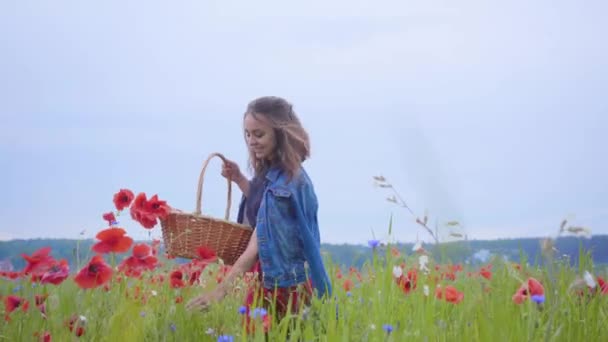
[[292, 140]]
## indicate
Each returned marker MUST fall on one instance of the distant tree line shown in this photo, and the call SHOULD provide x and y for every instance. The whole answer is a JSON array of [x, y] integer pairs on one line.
[[78, 252]]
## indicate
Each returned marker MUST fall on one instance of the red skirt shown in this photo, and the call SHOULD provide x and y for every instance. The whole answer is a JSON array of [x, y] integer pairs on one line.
[[285, 299]]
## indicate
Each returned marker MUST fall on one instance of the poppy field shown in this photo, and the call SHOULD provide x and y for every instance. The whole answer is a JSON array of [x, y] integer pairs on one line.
[[129, 291]]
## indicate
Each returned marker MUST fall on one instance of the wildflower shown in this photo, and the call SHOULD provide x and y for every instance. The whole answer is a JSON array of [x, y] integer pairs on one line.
[[225, 338], [423, 261], [486, 273], [349, 294], [94, 274], [602, 285], [76, 325], [109, 217], [373, 243], [112, 240], [57, 273], [397, 271], [172, 327], [242, 310], [141, 259], [407, 282], [12, 303], [538, 299], [46, 337], [347, 285], [123, 199], [450, 293], [206, 254], [388, 328], [146, 212], [38, 262], [176, 279], [531, 288], [589, 280], [261, 312]]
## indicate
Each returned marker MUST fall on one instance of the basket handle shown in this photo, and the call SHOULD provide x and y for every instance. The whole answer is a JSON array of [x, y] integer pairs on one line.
[[200, 187]]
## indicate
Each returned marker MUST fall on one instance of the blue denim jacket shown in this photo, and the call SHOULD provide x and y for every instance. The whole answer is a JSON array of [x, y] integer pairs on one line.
[[288, 233]]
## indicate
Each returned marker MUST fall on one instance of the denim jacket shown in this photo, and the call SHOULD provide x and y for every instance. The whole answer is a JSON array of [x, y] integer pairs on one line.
[[288, 233]]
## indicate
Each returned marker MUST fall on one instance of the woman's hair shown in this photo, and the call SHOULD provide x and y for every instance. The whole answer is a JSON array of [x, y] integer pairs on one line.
[[292, 141]]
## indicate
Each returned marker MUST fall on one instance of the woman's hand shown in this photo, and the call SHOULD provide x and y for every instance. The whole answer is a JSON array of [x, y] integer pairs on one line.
[[231, 171], [202, 302]]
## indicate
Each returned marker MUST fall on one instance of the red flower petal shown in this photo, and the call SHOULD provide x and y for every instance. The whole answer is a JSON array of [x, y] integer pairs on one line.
[[123, 199], [535, 288], [141, 250], [94, 274], [112, 240]]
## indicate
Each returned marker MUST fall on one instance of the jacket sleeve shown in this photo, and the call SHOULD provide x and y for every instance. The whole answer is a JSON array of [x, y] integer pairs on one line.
[[311, 243]]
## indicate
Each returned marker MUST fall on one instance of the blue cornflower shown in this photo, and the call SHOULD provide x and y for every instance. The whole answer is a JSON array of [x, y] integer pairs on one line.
[[242, 310], [142, 314], [388, 328], [348, 294], [538, 299], [259, 312], [172, 327], [225, 338], [17, 288], [373, 243]]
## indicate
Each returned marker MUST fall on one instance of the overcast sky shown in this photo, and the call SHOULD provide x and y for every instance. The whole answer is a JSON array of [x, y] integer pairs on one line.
[[492, 113]]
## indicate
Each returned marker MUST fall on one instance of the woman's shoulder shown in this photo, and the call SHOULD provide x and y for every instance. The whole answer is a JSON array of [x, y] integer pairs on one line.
[[300, 181]]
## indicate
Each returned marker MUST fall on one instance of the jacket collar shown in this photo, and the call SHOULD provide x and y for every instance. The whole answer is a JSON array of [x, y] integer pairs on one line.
[[273, 173]]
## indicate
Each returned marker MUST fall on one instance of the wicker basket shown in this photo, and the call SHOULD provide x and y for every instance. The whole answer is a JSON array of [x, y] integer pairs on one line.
[[184, 232]]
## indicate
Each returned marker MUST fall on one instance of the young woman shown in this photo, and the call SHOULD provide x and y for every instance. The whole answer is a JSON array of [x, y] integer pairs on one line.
[[281, 205]]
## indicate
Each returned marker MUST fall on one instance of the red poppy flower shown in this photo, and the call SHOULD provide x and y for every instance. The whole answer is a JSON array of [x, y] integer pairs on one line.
[[141, 259], [176, 279], [56, 274], [486, 273], [602, 285], [112, 240], [348, 285], [109, 217], [94, 274], [76, 325], [38, 262], [531, 288], [10, 275], [140, 212], [12, 303], [123, 199], [450, 293], [157, 207], [206, 254], [46, 337], [407, 282]]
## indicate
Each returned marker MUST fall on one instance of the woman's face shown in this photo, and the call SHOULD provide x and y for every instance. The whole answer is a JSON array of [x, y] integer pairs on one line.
[[259, 136]]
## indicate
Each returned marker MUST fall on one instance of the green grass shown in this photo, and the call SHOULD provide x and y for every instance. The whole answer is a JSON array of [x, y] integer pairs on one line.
[[487, 312]]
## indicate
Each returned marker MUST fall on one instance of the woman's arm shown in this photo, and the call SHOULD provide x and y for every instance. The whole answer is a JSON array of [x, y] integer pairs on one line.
[[243, 184], [242, 265]]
